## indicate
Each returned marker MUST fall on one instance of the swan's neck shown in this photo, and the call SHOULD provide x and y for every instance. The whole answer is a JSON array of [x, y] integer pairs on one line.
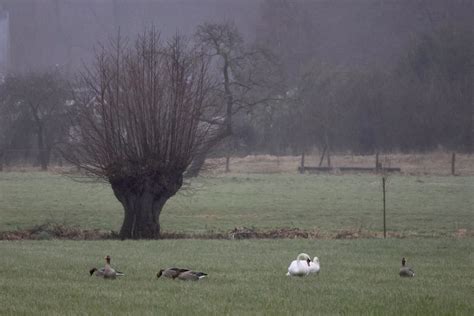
[[304, 263], [302, 256]]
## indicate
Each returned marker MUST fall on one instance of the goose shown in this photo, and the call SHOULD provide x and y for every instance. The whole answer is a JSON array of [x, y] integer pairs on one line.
[[107, 272], [406, 271], [314, 266], [171, 273], [191, 275], [181, 274], [300, 266]]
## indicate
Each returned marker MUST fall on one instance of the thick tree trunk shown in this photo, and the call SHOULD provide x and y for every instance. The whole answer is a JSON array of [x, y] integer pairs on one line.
[[143, 199], [142, 216]]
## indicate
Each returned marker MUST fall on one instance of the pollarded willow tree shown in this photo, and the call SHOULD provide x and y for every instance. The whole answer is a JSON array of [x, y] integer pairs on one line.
[[139, 128]]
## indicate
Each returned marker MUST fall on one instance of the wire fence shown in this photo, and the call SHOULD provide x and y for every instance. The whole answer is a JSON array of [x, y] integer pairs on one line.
[[432, 163]]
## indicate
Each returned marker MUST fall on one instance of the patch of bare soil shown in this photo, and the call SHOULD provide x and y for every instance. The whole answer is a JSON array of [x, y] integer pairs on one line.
[[57, 231], [463, 233]]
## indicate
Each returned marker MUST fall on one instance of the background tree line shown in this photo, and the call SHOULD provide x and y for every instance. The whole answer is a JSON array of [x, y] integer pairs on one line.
[[279, 95], [148, 110], [419, 99]]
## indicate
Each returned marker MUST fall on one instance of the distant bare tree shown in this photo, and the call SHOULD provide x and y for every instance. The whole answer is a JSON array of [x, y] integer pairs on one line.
[[138, 127], [291, 30], [7, 119], [436, 77], [247, 77], [319, 108], [38, 99]]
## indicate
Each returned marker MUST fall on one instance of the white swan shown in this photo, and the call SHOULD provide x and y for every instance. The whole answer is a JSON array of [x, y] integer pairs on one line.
[[314, 266], [300, 266]]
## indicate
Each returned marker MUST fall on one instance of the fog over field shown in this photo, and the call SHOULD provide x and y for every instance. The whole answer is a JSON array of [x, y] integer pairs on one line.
[[285, 157], [50, 32]]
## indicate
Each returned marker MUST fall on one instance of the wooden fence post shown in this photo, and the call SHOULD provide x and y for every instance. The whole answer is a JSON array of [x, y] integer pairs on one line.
[[322, 156], [302, 163], [384, 222], [453, 164], [377, 162]]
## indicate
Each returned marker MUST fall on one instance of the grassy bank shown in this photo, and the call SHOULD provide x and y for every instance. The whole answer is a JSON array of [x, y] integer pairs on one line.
[[425, 205], [357, 277]]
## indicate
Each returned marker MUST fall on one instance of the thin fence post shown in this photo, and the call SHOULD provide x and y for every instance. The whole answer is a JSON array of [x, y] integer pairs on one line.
[[302, 163], [227, 163], [384, 222], [377, 162], [322, 156], [453, 164]]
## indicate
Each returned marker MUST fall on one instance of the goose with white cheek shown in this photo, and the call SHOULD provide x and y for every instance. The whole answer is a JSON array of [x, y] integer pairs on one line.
[[300, 266]]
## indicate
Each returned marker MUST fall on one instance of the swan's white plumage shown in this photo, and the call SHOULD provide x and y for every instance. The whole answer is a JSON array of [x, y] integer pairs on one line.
[[299, 267], [314, 266]]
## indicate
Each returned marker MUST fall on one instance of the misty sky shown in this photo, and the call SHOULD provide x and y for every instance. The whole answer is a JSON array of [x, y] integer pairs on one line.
[[44, 33]]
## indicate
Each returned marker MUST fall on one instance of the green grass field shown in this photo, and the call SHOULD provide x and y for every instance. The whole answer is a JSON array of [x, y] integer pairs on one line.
[[425, 206], [245, 277]]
